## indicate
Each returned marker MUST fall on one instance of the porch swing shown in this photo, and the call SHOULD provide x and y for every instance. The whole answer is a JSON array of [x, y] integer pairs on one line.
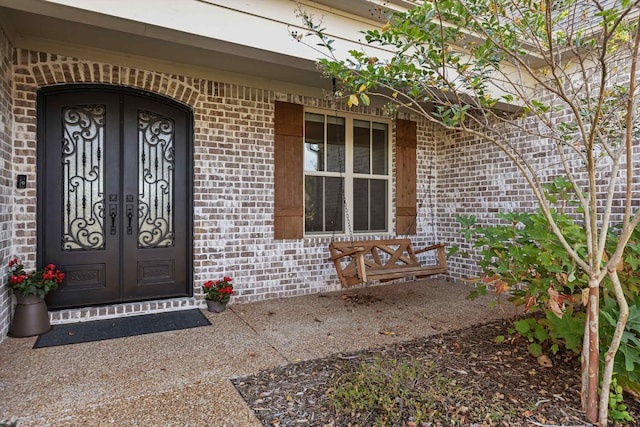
[[382, 260]]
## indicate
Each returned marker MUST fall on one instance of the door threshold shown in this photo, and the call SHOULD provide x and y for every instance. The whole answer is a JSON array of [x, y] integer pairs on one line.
[[85, 314]]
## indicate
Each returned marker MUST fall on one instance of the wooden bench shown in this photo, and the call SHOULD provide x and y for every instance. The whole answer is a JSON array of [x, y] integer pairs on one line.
[[382, 260]]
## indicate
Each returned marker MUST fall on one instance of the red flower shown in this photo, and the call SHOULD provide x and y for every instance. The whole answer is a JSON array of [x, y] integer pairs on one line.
[[39, 282], [218, 290]]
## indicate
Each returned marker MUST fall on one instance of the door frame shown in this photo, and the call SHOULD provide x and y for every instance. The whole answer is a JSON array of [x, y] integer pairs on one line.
[[41, 202]]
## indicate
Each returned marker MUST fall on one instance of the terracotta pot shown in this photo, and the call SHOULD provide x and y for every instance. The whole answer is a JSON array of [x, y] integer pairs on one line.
[[30, 317], [215, 306]]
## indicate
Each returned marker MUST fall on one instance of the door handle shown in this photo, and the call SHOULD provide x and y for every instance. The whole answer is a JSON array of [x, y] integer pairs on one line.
[[113, 212], [130, 218]]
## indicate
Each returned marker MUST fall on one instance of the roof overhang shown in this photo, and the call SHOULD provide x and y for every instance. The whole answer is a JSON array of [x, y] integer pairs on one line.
[[245, 42]]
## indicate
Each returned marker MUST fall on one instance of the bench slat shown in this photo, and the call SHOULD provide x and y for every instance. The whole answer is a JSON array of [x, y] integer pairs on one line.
[[384, 275]]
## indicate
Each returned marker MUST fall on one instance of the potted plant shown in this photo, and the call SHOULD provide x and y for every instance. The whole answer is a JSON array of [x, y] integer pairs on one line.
[[217, 294], [31, 316]]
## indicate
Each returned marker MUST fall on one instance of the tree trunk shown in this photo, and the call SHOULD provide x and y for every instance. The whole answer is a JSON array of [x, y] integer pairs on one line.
[[613, 346], [594, 350]]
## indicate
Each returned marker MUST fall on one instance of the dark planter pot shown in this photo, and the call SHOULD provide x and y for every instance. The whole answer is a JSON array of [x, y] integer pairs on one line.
[[30, 317], [215, 306]]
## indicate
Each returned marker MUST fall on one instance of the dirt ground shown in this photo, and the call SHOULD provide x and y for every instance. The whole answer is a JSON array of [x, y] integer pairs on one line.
[[493, 384]]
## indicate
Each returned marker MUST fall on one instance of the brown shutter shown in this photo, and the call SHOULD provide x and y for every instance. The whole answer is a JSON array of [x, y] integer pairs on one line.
[[406, 143], [289, 128]]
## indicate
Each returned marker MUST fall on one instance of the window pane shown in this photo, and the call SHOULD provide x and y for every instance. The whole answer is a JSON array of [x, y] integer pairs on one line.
[[335, 144], [334, 204], [323, 204], [313, 202], [360, 204], [369, 205], [378, 215], [380, 149], [361, 146], [314, 142]]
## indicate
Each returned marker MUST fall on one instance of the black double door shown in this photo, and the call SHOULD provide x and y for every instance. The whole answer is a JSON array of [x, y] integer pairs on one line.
[[114, 205]]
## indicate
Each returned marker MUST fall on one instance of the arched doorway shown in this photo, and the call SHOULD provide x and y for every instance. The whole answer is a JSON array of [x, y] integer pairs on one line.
[[114, 194]]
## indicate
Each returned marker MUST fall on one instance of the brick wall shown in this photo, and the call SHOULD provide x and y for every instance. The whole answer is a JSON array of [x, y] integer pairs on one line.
[[474, 179], [233, 182], [6, 179], [477, 178]]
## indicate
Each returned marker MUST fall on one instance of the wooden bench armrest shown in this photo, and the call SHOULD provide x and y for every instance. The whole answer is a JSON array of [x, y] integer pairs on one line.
[[430, 248], [350, 252]]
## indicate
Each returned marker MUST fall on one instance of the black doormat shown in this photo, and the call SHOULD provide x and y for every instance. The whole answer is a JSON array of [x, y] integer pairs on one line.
[[97, 330]]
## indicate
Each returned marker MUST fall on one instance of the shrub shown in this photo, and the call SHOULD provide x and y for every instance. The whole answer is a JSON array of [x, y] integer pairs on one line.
[[523, 258]]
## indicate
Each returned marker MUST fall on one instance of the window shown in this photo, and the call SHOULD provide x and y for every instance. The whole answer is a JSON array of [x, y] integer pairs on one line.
[[345, 156]]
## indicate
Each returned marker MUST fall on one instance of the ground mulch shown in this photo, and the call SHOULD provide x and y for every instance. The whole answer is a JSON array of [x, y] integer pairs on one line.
[[498, 384]]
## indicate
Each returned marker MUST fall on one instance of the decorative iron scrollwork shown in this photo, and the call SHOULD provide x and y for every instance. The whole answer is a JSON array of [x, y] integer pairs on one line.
[[83, 177], [155, 180]]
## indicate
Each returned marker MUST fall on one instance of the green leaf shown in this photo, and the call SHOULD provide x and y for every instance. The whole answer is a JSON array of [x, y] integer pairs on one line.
[[541, 333], [524, 326], [453, 250], [535, 349]]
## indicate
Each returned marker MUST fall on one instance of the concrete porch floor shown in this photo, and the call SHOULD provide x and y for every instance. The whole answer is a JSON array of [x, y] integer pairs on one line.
[[182, 378]]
